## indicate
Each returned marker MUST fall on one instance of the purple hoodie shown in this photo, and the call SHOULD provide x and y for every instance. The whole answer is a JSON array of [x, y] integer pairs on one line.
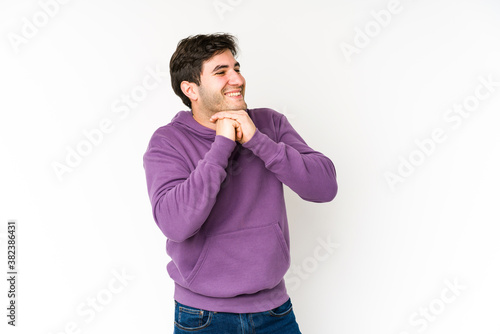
[[221, 206]]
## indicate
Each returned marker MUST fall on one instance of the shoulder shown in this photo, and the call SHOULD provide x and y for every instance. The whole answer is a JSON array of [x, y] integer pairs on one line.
[[266, 117], [264, 114], [164, 132], [166, 137], [267, 120], [172, 130]]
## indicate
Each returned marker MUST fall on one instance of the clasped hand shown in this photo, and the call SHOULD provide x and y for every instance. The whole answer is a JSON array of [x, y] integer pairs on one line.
[[234, 124]]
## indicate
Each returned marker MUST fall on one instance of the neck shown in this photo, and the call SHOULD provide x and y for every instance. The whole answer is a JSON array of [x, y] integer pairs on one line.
[[203, 119]]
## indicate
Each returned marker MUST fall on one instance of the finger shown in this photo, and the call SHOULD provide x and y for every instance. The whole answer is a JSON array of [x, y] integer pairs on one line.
[[228, 114], [216, 117], [239, 134], [237, 127], [235, 117]]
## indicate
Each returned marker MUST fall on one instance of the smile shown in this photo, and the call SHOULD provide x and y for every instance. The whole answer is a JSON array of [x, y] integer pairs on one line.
[[233, 94]]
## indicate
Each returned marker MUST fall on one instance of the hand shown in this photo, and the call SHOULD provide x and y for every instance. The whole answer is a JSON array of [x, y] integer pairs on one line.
[[245, 129], [228, 128]]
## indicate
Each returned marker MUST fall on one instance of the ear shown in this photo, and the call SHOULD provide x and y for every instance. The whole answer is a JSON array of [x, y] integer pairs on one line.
[[190, 89]]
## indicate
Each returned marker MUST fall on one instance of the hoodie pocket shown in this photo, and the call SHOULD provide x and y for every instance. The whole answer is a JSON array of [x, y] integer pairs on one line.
[[241, 262]]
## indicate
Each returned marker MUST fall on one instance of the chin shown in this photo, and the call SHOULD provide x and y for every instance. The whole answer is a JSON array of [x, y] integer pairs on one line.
[[242, 106]]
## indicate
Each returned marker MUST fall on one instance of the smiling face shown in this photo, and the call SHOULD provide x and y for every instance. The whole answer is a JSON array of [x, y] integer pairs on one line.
[[222, 87]]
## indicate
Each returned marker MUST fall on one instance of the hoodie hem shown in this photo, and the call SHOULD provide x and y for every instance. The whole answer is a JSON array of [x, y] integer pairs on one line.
[[261, 301]]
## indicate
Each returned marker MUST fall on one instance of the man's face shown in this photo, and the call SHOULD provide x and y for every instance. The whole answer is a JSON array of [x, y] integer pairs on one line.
[[222, 87]]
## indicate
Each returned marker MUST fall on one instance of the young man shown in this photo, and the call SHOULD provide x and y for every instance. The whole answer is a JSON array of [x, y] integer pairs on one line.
[[215, 178]]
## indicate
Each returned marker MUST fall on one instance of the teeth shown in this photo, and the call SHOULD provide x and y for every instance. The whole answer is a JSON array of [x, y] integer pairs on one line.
[[234, 94]]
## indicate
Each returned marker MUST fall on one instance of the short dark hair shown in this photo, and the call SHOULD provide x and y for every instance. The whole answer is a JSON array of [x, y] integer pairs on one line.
[[187, 61]]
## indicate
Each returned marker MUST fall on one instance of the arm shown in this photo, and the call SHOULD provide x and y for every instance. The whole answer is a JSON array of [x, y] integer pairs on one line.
[[182, 199], [307, 172]]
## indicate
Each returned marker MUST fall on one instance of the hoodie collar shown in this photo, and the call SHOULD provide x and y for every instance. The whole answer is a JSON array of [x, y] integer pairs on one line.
[[186, 120]]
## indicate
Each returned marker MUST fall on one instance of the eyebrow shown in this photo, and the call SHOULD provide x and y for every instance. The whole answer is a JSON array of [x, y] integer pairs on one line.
[[219, 67]]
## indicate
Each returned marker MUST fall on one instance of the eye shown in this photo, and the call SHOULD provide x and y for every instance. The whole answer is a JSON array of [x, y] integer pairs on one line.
[[220, 73], [237, 70]]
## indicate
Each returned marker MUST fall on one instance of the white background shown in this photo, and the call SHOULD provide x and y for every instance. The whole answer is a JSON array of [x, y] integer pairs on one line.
[[397, 246]]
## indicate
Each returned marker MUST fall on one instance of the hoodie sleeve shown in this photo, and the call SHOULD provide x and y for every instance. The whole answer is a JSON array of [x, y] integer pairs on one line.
[[307, 172], [182, 199]]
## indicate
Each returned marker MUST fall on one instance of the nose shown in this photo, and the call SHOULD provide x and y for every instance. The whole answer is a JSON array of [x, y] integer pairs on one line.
[[236, 79]]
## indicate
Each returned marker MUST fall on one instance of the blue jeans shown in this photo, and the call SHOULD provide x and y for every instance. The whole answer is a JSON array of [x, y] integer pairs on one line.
[[280, 320]]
